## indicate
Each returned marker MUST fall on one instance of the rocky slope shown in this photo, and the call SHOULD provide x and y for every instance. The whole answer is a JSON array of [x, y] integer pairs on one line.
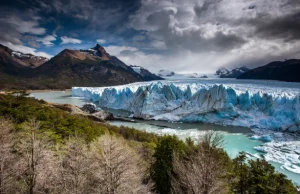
[[19, 59], [147, 75], [288, 70], [93, 67]]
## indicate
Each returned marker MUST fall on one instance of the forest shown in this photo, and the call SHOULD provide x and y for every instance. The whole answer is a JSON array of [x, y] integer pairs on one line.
[[47, 150]]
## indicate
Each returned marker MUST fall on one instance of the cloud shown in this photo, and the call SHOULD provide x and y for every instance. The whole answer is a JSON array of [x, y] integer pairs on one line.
[[175, 24], [285, 27], [204, 35], [101, 41], [68, 40], [25, 49], [15, 28], [158, 45], [9, 33], [47, 40], [117, 50], [24, 26], [190, 35], [207, 62]]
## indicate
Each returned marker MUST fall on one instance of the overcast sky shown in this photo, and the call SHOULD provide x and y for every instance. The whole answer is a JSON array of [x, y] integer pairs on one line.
[[180, 35]]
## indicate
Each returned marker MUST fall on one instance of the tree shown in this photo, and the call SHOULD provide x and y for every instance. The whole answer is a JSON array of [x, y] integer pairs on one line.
[[34, 159], [6, 157], [119, 169], [75, 167], [204, 170], [258, 176], [163, 165], [241, 174]]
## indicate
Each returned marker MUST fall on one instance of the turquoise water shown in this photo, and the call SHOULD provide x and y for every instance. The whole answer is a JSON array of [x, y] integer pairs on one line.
[[60, 97], [236, 139]]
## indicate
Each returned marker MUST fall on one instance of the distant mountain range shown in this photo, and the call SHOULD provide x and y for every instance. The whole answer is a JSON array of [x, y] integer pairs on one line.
[[92, 67], [231, 73], [288, 70], [171, 74], [220, 73]]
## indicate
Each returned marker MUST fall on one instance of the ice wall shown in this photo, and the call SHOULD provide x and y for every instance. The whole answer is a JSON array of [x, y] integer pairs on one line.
[[211, 103]]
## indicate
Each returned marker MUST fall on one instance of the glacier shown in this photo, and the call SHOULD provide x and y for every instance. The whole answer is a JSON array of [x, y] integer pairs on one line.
[[255, 104]]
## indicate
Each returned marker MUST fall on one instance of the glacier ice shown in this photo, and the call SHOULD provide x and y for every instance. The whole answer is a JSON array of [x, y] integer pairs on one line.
[[264, 138], [275, 106], [285, 153]]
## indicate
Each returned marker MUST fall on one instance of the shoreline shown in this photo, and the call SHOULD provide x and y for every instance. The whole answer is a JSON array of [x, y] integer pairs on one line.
[[48, 90], [32, 91]]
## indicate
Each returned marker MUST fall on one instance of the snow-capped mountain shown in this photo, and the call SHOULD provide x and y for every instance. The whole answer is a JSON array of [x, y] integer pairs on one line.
[[172, 75], [90, 67], [146, 74], [231, 73], [19, 59], [165, 73]]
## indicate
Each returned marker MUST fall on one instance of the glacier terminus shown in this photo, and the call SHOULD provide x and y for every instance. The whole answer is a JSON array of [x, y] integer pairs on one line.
[[249, 103]]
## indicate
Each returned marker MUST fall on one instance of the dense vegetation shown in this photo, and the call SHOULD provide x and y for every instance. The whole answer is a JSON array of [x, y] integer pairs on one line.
[[46, 150]]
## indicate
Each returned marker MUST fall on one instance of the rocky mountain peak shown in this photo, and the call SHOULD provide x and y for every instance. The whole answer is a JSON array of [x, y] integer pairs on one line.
[[101, 52]]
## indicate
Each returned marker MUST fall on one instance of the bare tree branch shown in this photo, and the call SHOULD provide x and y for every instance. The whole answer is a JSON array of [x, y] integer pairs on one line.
[[202, 171]]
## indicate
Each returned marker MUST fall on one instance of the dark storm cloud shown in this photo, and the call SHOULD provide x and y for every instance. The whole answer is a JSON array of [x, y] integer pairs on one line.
[[9, 33], [16, 25], [127, 52], [85, 17], [205, 7], [286, 27], [195, 42], [182, 34]]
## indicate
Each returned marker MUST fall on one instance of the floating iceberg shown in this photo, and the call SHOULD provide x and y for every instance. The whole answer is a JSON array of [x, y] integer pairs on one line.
[[285, 153], [264, 138], [272, 107]]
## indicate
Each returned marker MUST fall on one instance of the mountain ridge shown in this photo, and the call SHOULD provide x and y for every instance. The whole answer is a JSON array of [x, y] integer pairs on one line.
[[93, 67], [231, 73], [287, 70]]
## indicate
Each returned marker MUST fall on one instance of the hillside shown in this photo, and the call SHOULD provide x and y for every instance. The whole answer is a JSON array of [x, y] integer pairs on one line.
[[93, 67], [69, 153], [288, 70]]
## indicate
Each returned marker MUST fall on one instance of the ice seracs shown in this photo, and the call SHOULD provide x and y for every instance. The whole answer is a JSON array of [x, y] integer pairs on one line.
[[203, 102]]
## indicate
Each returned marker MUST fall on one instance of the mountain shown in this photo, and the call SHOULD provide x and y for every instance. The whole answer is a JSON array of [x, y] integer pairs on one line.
[[147, 75], [288, 70], [172, 75], [231, 73], [19, 59], [93, 67], [165, 73]]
